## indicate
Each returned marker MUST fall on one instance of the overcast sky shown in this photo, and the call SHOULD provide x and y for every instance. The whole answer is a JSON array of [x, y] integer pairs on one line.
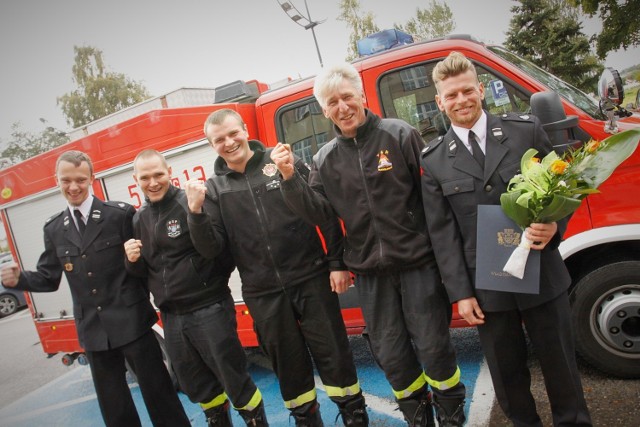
[[189, 43]]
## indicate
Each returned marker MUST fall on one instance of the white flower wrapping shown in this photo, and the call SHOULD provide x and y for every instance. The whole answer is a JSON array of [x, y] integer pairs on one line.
[[517, 262]]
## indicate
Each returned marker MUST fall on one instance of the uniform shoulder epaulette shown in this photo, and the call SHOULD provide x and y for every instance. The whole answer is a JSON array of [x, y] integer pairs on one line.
[[52, 217], [116, 204], [431, 145], [520, 117]]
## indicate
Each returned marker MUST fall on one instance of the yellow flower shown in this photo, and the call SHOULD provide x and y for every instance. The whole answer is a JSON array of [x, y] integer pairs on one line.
[[558, 167], [592, 146]]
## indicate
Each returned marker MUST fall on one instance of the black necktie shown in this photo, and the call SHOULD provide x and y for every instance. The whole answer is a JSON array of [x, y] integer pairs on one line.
[[477, 151], [81, 225]]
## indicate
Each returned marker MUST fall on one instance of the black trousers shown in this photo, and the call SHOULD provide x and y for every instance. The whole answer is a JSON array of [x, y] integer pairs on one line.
[[207, 355], [549, 329], [407, 315], [114, 397], [299, 323]]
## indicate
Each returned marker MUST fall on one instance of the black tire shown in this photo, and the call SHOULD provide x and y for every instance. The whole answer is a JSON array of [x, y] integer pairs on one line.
[[8, 305], [605, 312]]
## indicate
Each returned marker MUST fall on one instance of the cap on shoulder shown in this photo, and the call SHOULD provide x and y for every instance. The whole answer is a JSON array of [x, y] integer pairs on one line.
[[519, 117], [52, 217], [431, 145], [116, 204]]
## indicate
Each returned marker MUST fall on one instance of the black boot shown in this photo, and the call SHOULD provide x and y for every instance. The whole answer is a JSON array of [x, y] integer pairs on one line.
[[354, 412], [308, 415], [417, 410], [255, 417], [449, 411], [218, 416]]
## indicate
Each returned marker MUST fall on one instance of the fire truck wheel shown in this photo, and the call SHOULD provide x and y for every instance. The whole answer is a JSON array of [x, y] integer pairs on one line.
[[8, 305], [605, 311], [165, 358]]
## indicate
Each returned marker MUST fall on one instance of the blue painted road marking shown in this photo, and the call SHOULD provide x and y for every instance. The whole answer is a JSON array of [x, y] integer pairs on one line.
[[70, 400]]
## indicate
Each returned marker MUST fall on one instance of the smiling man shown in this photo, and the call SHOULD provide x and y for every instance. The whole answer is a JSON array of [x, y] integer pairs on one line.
[[286, 279], [197, 310], [112, 310], [369, 175]]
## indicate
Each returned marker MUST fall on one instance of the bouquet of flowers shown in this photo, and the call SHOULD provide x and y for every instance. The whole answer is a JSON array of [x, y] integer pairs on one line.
[[550, 189]]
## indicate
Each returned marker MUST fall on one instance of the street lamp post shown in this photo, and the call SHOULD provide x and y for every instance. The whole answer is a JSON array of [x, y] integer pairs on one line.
[[302, 20]]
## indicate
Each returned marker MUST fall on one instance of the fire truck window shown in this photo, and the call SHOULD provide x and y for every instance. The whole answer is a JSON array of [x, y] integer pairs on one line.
[[409, 94], [306, 129]]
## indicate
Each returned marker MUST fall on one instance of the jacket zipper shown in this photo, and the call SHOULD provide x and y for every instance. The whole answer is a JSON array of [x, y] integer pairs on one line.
[[264, 229], [368, 195]]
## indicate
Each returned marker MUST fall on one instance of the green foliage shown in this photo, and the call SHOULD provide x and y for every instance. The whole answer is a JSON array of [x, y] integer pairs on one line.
[[99, 92], [548, 33], [24, 145], [362, 24], [620, 23], [432, 22]]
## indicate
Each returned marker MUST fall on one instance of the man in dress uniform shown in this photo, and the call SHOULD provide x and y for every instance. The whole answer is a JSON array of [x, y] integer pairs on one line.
[[472, 165], [112, 310]]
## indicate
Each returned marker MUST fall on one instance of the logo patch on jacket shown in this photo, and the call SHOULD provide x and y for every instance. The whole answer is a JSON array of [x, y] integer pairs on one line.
[[269, 169], [384, 164], [173, 228]]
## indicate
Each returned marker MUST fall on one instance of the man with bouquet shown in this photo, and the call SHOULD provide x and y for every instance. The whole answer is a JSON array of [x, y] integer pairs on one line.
[[469, 166]]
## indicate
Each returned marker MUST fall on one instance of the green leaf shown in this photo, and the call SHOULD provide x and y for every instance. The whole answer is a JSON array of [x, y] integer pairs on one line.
[[559, 208], [615, 150], [520, 215]]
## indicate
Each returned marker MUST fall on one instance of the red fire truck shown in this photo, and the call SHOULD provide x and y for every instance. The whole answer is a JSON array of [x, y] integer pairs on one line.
[[601, 247]]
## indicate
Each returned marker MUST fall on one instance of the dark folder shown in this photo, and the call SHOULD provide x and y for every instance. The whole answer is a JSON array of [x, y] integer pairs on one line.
[[498, 236]]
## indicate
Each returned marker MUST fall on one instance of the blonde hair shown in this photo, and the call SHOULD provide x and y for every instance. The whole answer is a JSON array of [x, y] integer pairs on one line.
[[148, 154], [219, 116], [453, 65]]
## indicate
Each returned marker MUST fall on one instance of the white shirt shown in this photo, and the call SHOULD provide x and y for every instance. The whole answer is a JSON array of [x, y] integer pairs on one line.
[[84, 208], [479, 128]]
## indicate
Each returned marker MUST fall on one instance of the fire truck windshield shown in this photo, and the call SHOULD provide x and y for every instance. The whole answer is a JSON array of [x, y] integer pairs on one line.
[[575, 96]]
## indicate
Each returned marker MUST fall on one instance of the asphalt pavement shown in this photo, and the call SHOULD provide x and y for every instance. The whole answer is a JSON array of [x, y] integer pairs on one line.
[[39, 390]]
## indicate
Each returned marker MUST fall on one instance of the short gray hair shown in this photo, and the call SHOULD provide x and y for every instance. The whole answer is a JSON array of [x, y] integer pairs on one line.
[[329, 80]]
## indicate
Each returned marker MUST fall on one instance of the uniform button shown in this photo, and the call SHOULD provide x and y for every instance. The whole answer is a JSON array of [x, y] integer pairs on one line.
[[456, 189], [108, 243], [99, 308], [488, 188], [84, 256], [90, 274], [94, 291]]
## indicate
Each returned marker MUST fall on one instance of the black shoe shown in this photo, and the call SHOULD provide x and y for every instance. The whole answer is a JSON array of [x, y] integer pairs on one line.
[[417, 410], [308, 415], [256, 417], [218, 416], [450, 412], [354, 412]]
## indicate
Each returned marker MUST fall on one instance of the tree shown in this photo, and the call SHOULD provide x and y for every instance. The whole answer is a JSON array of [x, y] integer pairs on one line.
[[434, 21], [24, 145], [620, 23], [361, 24], [99, 92], [548, 33]]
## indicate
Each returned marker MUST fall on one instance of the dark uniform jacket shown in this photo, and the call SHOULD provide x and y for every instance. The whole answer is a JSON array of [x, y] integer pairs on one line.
[[180, 279], [272, 246], [454, 184], [111, 308], [372, 182]]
